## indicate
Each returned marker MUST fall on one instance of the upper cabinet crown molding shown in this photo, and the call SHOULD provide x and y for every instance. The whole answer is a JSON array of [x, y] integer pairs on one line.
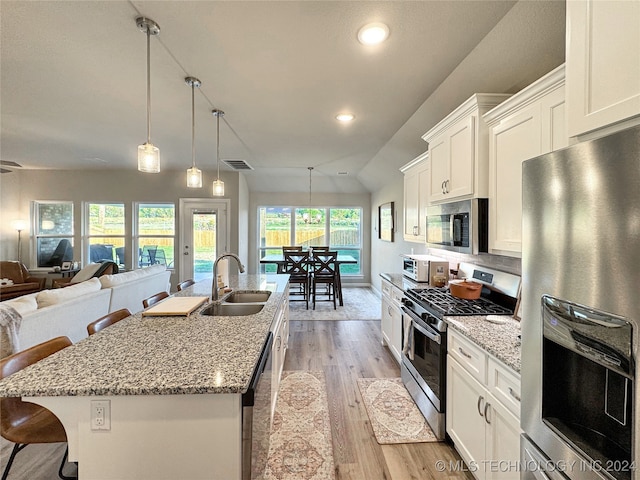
[[477, 101], [603, 66], [525, 97]]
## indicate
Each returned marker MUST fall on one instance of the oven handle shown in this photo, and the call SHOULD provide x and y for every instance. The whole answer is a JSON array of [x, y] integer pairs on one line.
[[422, 327]]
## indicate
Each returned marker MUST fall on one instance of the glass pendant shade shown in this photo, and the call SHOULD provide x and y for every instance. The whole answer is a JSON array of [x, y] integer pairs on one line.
[[148, 158], [218, 188], [194, 177]]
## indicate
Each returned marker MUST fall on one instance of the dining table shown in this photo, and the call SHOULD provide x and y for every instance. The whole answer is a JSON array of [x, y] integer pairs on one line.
[[341, 259]]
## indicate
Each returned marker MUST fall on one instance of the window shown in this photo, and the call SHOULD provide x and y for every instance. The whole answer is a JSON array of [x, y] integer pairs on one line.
[[105, 234], [338, 228], [155, 229], [53, 232]]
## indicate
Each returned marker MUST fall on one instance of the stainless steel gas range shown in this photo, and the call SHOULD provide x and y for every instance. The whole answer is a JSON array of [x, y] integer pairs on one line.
[[424, 356]]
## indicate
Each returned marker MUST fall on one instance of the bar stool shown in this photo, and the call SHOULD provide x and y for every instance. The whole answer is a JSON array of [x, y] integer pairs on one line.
[[324, 272], [24, 423], [107, 320], [153, 299], [185, 284]]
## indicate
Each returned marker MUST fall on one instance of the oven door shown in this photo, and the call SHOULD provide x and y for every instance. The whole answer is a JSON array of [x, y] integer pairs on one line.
[[425, 356]]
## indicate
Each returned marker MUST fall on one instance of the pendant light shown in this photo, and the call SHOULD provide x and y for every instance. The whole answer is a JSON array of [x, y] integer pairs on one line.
[[218, 185], [194, 174], [148, 153]]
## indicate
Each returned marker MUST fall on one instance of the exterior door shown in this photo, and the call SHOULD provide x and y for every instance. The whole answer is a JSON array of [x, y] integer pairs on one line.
[[204, 236]]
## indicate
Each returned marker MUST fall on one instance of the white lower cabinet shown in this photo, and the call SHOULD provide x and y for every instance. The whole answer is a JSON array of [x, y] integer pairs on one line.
[[391, 318], [280, 329], [485, 431]]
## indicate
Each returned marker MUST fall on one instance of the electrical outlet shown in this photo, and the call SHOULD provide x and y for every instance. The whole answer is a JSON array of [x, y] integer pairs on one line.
[[100, 415]]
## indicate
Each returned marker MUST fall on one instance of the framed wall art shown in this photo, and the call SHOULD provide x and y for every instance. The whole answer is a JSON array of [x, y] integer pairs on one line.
[[385, 222]]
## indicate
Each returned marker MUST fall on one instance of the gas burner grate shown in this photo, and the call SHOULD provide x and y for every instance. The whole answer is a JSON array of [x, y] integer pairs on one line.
[[440, 300]]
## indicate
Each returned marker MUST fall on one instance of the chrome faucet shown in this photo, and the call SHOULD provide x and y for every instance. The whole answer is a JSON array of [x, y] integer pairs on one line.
[[214, 286]]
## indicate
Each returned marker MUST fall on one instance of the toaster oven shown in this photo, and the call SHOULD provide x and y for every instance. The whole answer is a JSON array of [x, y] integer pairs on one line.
[[423, 268]]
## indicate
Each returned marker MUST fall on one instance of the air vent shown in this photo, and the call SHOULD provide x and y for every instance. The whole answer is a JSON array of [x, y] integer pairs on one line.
[[238, 164]]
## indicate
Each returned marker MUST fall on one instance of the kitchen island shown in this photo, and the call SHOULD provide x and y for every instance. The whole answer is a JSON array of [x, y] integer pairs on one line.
[[173, 385]]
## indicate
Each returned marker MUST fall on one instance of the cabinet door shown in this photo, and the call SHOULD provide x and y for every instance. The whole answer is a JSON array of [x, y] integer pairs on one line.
[[423, 200], [502, 442], [439, 171], [514, 140], [466, 399], [411, 193], [386, 320], [462, 155], [603, 63], [396, 333], [554, 121]]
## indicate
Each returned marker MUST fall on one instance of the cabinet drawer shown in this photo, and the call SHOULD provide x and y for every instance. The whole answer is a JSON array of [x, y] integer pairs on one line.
[[469, 355], [504, 384], [396, 296], [386, 288]]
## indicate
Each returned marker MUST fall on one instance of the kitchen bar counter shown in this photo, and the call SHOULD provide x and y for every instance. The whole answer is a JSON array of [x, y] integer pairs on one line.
[[160, 355], [170, 389]]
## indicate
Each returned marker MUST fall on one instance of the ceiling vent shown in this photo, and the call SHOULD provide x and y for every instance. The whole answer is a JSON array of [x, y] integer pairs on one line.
[[238, 164]]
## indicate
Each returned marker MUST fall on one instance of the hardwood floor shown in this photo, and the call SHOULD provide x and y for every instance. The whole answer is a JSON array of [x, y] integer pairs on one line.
[[346, 351]]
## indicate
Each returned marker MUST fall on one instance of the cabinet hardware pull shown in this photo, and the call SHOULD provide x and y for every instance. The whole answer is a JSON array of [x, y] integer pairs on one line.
[[514, 394], [446, 186], [442, 187], [389, 310], [480, 400], [463, 352], [487, 406]]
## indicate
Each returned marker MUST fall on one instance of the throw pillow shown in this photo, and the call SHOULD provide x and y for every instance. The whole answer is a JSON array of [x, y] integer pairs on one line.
[[23, 304], [86, 273]]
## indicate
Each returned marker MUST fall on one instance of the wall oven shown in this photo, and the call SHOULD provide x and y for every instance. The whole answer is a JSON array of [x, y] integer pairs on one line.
[[459, 226]]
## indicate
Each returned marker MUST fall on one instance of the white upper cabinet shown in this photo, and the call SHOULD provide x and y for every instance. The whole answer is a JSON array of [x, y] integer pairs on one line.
[[416, 197], [529, 124], [458, 151], [603, 64]]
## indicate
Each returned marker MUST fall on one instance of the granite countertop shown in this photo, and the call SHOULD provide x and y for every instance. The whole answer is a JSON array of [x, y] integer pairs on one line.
[[166, 355], [500, 340]]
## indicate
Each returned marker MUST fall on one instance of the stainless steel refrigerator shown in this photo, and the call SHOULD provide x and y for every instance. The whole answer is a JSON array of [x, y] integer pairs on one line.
[[581, 311]]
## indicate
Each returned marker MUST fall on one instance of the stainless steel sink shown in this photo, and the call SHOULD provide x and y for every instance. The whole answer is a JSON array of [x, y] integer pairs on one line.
[[232, 309], [248, 297]]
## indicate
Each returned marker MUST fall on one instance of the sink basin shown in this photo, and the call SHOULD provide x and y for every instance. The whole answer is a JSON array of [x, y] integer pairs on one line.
[[232, 309], [248, 297]]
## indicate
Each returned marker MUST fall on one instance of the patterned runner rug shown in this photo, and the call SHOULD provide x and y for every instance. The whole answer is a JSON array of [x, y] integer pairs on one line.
[[394, 416], [300, 443]]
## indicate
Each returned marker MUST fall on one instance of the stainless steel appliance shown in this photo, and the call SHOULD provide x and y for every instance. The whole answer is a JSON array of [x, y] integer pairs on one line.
[[459, 226], [256, 416], [422, 268], [424, 357], [581, 253]]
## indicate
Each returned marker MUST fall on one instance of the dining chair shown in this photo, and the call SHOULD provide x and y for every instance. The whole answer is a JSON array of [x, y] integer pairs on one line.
[[24, 423], [280, 268], [296, 265], [185, 284], [153, 299], [319, 248], [107, 320], [324, 272]]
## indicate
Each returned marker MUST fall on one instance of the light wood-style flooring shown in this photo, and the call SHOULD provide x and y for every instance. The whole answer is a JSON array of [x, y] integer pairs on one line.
[[346, 351]]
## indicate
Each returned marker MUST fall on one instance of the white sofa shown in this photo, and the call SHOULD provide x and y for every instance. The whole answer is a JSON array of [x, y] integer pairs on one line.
[[67, 311]]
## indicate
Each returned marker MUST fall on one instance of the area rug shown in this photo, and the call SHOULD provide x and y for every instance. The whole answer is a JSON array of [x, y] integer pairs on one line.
[[394, 416], [300, 443], [360, 303]]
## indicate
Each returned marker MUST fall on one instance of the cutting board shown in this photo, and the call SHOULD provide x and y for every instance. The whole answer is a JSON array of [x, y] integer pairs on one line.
[[175, 306]]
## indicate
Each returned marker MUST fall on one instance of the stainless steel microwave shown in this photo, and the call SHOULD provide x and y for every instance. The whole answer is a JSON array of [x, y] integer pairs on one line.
[[459, 226]]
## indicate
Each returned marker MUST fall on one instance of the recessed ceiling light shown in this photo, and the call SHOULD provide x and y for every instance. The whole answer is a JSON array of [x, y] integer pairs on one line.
[[373, 33], [345, 117]]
